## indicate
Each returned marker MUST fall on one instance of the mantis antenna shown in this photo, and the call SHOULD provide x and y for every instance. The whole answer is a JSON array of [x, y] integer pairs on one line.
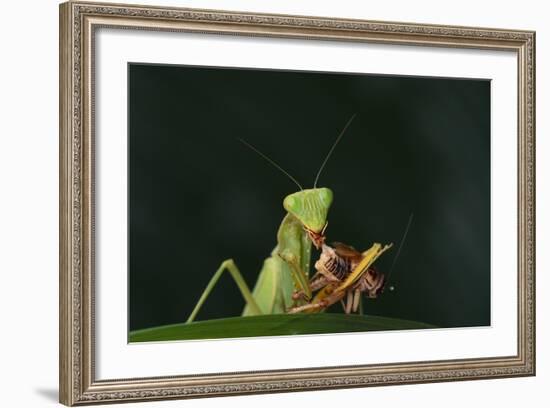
[[332, 149], [400, 247], [271, 162]]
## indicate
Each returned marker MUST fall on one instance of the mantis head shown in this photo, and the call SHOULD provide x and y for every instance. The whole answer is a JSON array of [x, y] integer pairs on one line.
[[311, 207]]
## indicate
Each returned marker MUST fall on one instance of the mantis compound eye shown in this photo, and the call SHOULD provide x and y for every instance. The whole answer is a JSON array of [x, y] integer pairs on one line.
[[289, 203], [325, 195]]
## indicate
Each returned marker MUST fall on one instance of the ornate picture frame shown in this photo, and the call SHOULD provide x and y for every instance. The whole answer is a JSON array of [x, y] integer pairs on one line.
[[79, 22]]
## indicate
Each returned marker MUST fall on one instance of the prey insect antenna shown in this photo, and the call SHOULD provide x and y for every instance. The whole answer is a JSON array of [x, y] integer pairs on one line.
[[271, 162], [331, 149], [400, 246]]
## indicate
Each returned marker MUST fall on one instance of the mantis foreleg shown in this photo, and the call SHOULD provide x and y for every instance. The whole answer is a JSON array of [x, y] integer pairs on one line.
[[227, 265], [294, 248], [319, 305]]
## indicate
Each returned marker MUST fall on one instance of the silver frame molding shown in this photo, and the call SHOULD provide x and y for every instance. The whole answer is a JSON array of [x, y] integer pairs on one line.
[[78, 22]]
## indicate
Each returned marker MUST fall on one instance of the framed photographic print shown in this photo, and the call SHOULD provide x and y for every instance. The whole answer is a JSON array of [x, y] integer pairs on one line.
[[240, 193]]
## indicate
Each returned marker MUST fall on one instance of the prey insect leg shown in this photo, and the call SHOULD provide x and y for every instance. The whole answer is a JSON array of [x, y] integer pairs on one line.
[[349, 302], [356, 299]]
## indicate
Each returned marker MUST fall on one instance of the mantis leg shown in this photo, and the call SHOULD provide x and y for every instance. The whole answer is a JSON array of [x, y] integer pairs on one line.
[[318, 305], [299, 276], [309, 307], [227, 265], [314, 285]]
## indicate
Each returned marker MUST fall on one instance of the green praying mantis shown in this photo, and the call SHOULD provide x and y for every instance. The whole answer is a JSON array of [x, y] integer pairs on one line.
[[286, 271]]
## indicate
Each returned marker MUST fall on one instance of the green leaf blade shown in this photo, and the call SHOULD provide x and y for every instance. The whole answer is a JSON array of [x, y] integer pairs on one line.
[[273, 325]]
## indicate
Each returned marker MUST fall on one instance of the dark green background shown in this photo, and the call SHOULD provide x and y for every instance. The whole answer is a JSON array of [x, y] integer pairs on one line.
[[197, 196]]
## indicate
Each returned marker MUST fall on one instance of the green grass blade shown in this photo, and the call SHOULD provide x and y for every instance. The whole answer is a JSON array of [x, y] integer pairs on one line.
[[273, 325]]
